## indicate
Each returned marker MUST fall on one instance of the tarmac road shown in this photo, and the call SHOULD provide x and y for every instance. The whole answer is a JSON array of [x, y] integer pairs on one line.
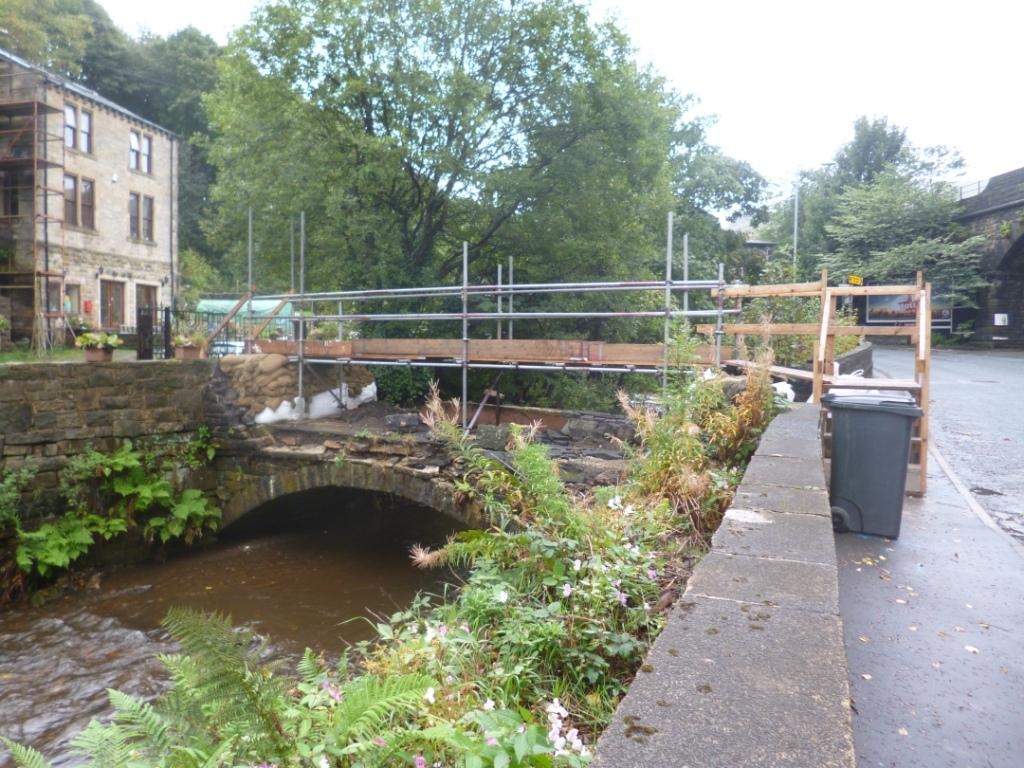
[[933, 620], [977, 422]]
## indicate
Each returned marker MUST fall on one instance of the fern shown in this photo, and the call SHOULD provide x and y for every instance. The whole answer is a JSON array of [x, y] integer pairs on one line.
[[237, 696], [24, 757], [372, 705], [139, 721], [105, 746]]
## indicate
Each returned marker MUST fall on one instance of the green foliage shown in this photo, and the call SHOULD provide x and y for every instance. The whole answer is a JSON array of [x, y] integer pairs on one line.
[[105, 494], [527, 661], [401, 385], [896, 226], [12, 486], [24, 757], [48, 33], [98, 340], [519, 127], [876, 149]]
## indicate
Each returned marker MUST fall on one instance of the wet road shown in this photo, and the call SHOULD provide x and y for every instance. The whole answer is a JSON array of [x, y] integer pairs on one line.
[[977, 422], [932, 619]]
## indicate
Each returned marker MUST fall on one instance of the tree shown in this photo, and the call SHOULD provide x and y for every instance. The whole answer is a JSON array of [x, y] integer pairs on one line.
[[897, 225], [49, 33], [876, 148], [404, 127]]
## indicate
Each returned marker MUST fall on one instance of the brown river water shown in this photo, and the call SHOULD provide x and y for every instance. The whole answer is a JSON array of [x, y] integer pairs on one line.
[[302, 571]]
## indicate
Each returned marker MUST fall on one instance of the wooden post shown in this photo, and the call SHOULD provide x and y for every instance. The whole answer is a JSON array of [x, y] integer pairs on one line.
[[922, 374]]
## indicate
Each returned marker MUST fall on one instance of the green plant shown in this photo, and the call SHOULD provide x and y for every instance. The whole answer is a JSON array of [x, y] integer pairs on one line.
[[401, 385], [12, 485], [200, 450], [105, 495], [325, 331], [520, 667], [5, 324], [98, 340]]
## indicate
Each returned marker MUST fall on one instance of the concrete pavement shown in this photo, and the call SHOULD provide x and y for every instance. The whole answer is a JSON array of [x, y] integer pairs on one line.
[[934, 631], [794, 646]]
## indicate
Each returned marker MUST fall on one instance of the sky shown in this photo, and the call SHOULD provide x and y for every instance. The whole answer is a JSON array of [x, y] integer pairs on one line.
[[786, 79]]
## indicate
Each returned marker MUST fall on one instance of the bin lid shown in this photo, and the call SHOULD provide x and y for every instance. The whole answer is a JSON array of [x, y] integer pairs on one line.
[[889, 402]]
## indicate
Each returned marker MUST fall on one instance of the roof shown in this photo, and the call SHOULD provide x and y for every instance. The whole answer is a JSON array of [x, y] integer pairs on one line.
[[82, 91]]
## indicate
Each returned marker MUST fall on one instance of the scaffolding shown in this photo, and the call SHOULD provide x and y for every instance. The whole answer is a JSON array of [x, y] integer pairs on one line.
[[496, 348], [31, 205]]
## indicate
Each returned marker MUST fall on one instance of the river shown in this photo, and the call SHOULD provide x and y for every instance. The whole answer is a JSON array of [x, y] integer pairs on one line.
[[302, 571]]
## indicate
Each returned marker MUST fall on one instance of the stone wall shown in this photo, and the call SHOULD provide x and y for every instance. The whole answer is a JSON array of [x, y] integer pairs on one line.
[[50, 411]]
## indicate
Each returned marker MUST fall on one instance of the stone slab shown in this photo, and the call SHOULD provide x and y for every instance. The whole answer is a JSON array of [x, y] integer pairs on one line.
[[774, 498], [776, 444], [716, 693], [790, 472], [807, 538], [807, 586]]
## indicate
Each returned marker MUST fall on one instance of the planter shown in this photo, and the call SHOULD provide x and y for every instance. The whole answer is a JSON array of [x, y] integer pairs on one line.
[[188, 353], [98, 354]]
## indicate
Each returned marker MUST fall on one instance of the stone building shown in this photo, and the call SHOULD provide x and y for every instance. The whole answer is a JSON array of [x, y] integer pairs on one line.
[[88, 223]]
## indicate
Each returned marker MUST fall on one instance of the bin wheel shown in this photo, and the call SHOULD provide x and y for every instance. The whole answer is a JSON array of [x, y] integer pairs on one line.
[[839, 524]]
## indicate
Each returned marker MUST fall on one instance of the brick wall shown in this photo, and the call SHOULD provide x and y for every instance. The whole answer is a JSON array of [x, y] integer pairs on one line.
[[51, 411]]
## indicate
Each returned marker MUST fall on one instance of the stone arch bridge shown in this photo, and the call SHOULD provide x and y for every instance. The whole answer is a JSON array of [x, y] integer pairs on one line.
[[997, 212], [258, 467]]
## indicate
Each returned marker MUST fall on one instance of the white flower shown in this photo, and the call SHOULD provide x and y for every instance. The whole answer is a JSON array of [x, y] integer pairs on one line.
[[615, 502], [577, 564], [555, 708], [429, 695], [628, 510], [489, 705], [566, 589], [322, 762], [503, 596]]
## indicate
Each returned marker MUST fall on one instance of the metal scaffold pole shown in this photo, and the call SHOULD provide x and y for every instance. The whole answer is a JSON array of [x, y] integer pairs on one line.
[[668, 300], [465, 332], [300, 404]]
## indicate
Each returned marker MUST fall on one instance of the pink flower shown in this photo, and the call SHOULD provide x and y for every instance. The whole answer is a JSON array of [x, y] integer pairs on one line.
[[420, 761]]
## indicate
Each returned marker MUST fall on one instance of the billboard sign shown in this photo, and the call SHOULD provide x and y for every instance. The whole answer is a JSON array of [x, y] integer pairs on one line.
[[902, 309]]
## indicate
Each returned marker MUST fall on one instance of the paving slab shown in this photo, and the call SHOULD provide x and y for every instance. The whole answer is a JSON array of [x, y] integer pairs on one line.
[[780, 470], [774, 498], [766, 581], [786, 535], [718, 693]]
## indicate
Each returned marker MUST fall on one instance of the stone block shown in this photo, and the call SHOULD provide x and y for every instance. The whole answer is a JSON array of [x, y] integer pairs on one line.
[[735, 684]]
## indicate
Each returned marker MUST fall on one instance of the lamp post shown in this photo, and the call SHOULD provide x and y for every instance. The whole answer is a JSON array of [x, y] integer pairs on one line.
[[796, 219]]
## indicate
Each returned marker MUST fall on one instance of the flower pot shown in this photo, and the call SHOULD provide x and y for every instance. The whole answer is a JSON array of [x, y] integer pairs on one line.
[[98, 354], [188, 353]]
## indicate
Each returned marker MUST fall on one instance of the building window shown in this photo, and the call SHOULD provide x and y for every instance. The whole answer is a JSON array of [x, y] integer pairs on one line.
[[133, 150], [111, 304], [134, 203], [147, 219], [70, 126], [9, 193], [88, 204], [70, 200], [72, 300], [53, 297], [147, 154], [85, 132]]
